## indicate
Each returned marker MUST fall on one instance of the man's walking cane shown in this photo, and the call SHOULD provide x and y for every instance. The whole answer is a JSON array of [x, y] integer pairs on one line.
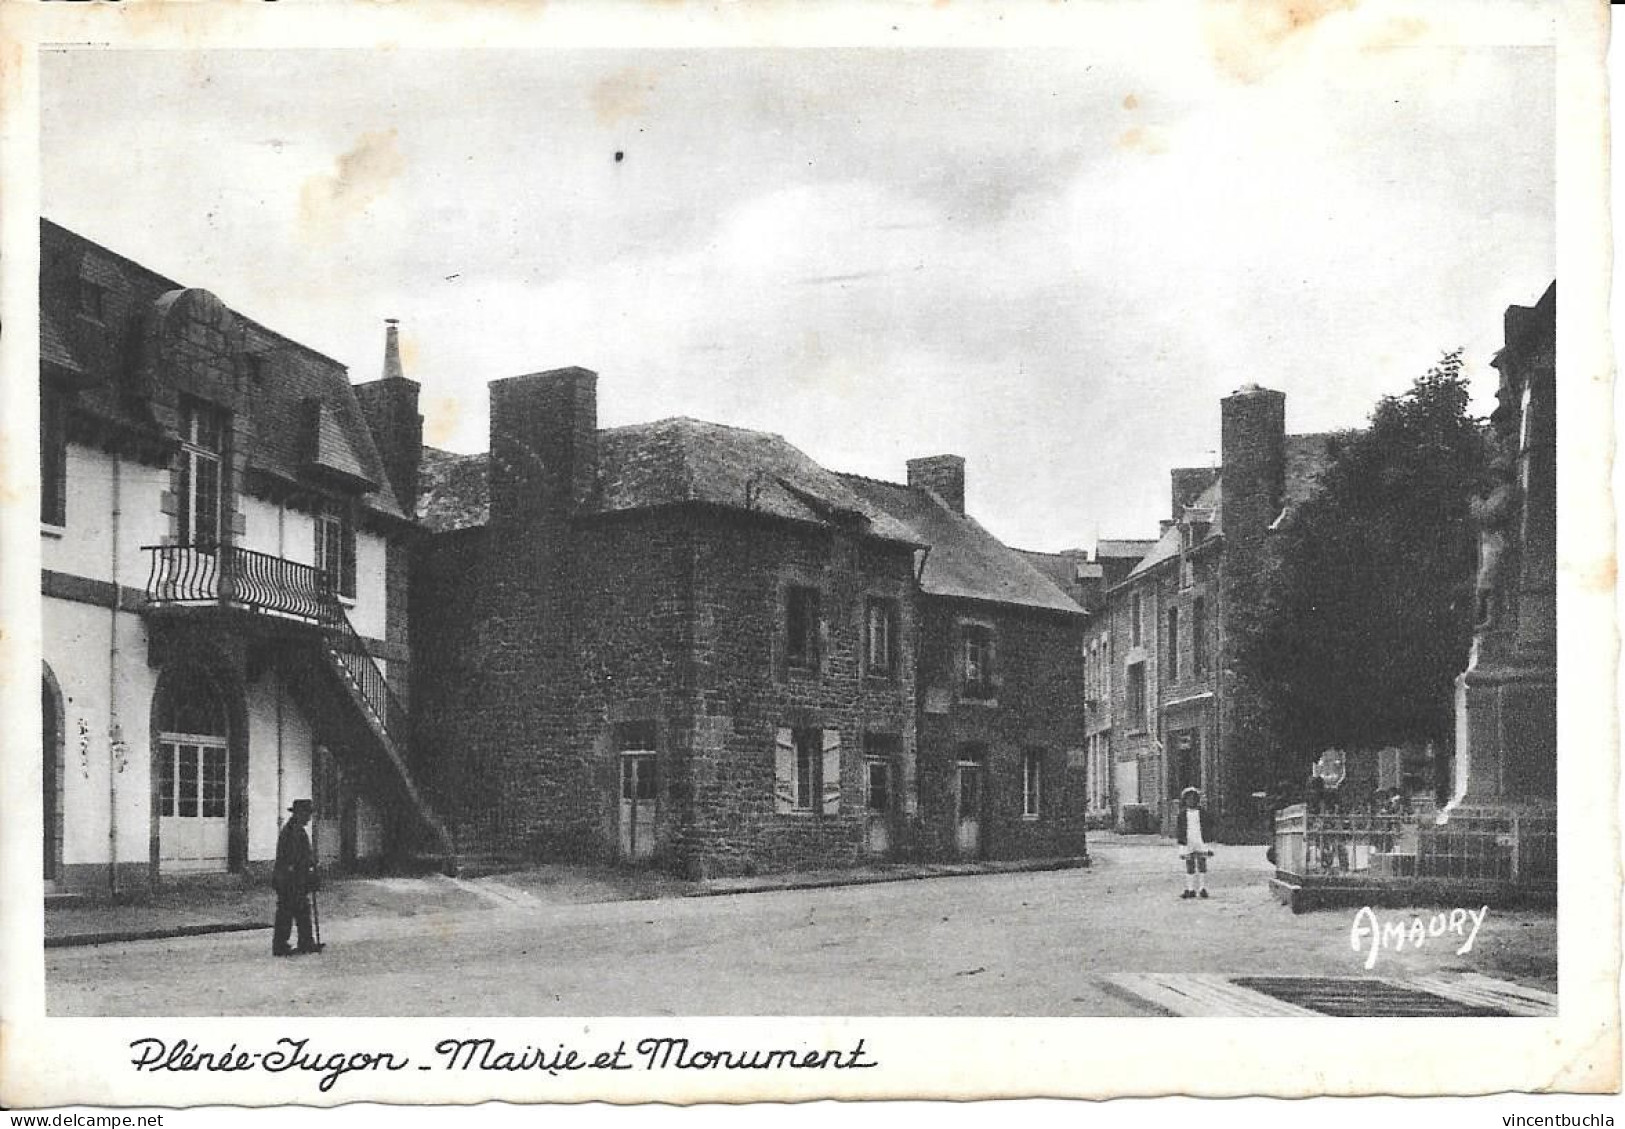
[[315, 917]]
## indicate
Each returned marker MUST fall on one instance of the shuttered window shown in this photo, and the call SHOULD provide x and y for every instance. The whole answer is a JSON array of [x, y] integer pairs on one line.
[[807, 771]]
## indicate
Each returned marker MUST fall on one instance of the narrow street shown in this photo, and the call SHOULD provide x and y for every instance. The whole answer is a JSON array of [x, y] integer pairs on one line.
[[1035, 944]]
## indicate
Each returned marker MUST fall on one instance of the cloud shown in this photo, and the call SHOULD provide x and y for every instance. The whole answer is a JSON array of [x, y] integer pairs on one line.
[[330, 201]]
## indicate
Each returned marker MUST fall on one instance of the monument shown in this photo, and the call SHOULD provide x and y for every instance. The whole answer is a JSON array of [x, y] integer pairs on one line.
[[1502, 815]]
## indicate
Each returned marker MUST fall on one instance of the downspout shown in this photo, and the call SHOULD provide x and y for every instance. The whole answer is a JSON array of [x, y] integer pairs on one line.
[[281, 800], [115, 736]]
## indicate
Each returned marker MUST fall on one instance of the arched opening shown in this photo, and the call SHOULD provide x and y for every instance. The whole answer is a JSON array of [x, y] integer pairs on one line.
[[199, 776], [51, 771]]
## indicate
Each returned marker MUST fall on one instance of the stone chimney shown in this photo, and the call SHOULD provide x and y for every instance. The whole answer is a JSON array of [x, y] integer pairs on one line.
[[1252, 447], [390, 406], [943, 475], [544, 445]]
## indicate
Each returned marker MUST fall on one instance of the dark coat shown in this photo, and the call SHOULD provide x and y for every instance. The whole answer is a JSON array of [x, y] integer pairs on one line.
[[1207, 826], [295, 871]]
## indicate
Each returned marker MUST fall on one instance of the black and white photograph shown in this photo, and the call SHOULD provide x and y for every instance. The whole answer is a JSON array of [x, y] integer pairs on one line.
[[581, 549]]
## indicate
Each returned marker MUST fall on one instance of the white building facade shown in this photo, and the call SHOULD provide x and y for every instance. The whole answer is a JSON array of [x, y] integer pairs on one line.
[[225, 522]]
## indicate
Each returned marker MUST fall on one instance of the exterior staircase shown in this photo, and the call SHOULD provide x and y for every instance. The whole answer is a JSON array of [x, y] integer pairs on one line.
[[296, 605]]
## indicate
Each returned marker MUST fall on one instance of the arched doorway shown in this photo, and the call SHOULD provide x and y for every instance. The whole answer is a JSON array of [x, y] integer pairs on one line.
[[51, 737], [198, 777]]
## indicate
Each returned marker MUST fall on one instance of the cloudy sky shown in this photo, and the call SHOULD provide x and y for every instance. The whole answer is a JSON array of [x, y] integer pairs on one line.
[[1052, 261]]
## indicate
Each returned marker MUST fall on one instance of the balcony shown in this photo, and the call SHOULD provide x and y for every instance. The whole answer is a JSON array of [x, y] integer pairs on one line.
[[226, 576]]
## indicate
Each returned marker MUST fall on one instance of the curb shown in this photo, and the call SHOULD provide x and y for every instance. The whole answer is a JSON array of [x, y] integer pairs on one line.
[[822, 882], [115, 936]]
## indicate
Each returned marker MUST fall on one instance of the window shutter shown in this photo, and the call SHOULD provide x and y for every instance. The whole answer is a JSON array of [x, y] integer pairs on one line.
[[784, 772], [832, 771], [995, 673]]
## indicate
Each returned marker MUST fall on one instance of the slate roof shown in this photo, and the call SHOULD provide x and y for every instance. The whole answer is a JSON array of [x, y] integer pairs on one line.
[[1123, 549], [282, 442], [452, 491], [1167, 546], [682, 460], [53, 346], [964, 560], [675, 462]]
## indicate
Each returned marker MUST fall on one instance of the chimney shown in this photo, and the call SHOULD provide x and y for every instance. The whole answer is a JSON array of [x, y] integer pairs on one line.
[[544, 445], [1253, 459], [1187, 486], [390, 406], [943, 475]]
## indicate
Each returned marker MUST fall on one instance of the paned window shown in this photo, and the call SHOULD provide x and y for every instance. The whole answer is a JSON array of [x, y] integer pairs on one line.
[[335, 547], [202, 447], [880, 633]]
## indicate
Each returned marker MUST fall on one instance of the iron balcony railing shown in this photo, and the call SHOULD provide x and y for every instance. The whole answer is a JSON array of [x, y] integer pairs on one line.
[[199, 575], [233, 577]]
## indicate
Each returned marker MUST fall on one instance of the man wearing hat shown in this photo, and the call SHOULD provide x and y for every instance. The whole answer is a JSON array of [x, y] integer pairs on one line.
[[293, 878]]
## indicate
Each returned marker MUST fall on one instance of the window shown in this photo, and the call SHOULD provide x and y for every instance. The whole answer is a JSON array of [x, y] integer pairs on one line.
[[335, 547], [53, 458], [803, 626], [1173, 645], [807, 771], [91, 300], [1198, 636], [1136, 694], [880, 634], [202, 443], [978, 661], [1099, 768], [1134, 621], [878, 785], [879, 752], [1032, 783]]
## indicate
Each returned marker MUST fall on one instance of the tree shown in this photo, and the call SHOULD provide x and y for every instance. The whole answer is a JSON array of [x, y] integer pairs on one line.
[[1365, 616]]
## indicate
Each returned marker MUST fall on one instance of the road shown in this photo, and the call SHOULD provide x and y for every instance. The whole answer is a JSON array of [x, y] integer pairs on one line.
[[1033, 944]]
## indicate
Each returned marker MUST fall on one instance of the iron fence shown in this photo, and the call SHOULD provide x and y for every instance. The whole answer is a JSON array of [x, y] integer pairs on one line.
[[1514, 845], [198, 575]]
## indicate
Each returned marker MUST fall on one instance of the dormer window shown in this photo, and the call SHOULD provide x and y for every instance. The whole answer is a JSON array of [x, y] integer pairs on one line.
[[335, 548]]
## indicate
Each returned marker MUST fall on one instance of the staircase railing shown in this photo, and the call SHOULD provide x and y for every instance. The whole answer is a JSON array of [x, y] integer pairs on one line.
[[201, 575], [346, 646]]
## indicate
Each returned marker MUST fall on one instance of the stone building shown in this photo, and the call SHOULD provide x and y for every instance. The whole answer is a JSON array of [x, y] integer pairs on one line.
[[1177, 718], [224, 530], [692, 644]]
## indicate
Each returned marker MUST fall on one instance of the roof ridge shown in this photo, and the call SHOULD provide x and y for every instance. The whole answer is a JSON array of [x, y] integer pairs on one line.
[[867, 478], [666, 420]]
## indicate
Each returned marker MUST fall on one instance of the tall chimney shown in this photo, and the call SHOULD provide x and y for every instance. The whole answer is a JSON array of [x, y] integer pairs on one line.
[[392, 349], [390, 406], [544, 445], [943, 475], [1252, 450]]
